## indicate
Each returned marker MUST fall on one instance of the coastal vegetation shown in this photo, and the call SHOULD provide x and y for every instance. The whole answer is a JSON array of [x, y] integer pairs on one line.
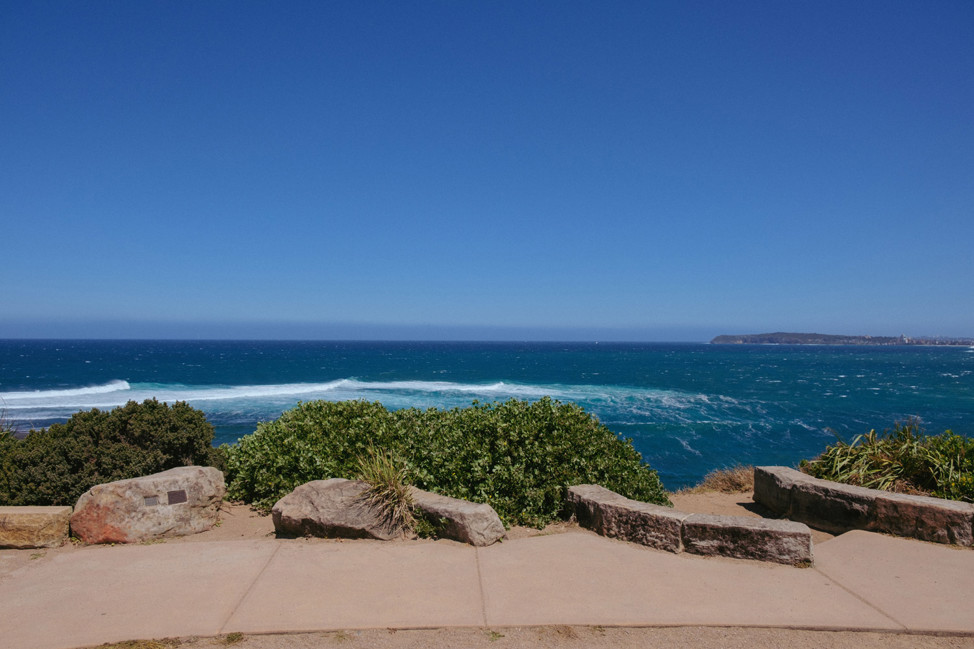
[[516, 456], [905, 460], [54, 466]]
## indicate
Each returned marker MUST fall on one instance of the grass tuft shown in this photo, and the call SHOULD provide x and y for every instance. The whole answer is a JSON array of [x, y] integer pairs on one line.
[[737, 479], [389, 489]]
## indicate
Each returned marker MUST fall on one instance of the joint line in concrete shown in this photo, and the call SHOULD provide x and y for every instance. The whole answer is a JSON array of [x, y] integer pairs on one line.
[[860, 598], [250, 588], [480, 582]]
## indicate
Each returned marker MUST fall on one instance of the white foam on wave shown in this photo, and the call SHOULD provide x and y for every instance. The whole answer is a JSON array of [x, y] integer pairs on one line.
[[13, 399], [262, 402], [118, 392]]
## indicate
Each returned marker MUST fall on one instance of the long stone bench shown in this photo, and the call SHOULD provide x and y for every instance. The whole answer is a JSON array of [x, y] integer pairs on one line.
[[837, 508], [33, 527], [663, 528]]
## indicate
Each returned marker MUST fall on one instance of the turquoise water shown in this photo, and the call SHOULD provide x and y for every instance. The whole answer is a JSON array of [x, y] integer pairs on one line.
[[688, 408]]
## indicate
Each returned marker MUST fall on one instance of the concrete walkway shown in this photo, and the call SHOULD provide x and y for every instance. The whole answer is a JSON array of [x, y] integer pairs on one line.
[[860, 581]]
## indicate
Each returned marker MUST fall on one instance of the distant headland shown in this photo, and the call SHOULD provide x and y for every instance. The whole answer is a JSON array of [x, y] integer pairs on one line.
[[781, 338]]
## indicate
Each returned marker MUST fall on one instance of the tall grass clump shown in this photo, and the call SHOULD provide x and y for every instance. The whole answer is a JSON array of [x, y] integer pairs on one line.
[[516, 456], [389, 490], [904, 460]]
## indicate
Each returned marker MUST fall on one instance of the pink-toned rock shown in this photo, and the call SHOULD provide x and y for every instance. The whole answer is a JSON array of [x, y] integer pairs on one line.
[[335, 508], [177, 502]]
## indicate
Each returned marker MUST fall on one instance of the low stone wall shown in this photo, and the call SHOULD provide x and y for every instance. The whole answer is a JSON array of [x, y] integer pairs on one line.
[[33, 527], [837, 508], [663, 528]]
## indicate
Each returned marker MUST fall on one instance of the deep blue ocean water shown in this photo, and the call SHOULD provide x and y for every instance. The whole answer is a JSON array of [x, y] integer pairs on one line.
[[688, 408]]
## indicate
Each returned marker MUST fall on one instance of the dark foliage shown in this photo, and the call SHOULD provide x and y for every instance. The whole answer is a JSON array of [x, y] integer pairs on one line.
[[54, 466]]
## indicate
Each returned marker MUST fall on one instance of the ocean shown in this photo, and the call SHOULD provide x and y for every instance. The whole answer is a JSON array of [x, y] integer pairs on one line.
[[688, 408]]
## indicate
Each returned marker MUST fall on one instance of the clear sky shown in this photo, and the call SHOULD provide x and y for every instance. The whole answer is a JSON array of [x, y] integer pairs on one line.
[[566, 170]]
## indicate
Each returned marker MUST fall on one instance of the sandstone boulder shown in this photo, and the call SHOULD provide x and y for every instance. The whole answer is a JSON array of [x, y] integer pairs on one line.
[[177, 502], [335, 508], [33, 527], [460, 520]]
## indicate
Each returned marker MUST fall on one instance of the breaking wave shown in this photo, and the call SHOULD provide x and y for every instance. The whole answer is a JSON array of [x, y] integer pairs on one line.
[[611, 403]]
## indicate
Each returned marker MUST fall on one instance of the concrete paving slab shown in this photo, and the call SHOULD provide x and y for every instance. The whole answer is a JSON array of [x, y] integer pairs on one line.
[[923, 586], [110, 594], [583, 579], [363, 584]]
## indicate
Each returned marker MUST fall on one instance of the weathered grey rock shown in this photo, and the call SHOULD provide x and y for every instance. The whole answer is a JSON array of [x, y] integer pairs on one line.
[[609, 514], [928, 519], [335, 508], [838, 508], [177, 502], [34, 527], [832, 506], [826, 505], [460, 520], [744, 537], [773, 485]]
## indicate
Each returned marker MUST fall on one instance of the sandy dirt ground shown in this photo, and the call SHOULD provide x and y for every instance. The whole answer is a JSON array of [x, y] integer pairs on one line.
[[239, 522]]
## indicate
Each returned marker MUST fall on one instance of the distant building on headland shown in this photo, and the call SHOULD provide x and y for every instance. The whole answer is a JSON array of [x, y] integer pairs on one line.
[[781, 338]]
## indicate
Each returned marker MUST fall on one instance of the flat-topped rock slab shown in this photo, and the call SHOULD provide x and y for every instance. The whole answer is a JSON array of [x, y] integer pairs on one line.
[[33, 527], [745, 537], [663, 528], [839, 508], [609, 514]]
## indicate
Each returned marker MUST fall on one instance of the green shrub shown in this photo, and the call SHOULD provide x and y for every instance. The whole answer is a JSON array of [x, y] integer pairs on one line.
[[516, 456], [904, 460], [54, 466], [7, 444]]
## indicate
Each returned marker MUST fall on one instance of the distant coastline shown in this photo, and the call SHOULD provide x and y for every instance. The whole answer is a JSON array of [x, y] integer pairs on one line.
[[781, 338]]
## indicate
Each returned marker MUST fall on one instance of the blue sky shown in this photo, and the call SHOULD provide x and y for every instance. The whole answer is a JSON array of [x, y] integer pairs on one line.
[[567, 170]]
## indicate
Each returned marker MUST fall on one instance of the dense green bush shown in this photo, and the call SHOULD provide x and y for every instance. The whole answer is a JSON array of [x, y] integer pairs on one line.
[[7, 443], [905, 460], [54, 466], [516, 456]]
